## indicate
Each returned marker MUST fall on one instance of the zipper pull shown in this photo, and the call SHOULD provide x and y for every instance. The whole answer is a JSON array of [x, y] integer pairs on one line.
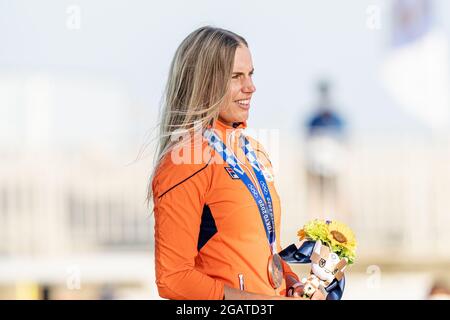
[[241, 281]]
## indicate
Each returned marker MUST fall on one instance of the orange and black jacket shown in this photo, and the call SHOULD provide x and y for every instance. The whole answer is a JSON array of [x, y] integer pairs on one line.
[[208, 229]]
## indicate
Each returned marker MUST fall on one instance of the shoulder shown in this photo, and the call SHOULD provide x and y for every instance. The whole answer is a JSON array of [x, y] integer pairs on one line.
[[181, 166]]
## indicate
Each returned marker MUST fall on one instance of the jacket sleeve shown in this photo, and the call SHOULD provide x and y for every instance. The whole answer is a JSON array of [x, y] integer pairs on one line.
[[287, 269], [177, 225]]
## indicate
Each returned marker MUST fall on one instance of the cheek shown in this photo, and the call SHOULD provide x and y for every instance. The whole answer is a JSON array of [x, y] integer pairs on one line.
[[234, 91], [232, 95]]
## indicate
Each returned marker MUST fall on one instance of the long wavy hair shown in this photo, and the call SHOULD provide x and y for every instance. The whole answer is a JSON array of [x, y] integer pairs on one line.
[[197, 86]]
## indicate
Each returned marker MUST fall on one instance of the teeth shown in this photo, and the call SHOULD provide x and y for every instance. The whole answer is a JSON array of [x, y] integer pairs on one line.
[[243, 102]]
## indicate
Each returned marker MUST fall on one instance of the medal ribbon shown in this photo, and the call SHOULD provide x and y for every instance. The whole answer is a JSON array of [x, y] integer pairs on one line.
[[265, 206]]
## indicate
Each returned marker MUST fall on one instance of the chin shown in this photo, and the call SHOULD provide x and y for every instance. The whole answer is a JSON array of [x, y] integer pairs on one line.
[[244, 116], [240, 116]]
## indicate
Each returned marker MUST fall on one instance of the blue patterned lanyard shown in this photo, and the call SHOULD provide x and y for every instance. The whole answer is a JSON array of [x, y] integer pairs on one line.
[[265, 207]]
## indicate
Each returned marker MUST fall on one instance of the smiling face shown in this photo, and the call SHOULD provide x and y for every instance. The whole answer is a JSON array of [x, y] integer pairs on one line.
[[241, 88], [324, 268]]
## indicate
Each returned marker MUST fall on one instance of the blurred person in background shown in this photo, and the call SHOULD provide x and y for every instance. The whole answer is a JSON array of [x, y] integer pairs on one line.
[[325, 152], [212, 240]]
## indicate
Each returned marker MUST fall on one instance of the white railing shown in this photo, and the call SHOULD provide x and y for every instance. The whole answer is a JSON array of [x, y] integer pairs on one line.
[[395, 195], [52, 204]]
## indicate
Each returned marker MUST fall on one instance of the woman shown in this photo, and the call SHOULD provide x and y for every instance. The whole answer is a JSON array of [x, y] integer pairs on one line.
[[217, 226]]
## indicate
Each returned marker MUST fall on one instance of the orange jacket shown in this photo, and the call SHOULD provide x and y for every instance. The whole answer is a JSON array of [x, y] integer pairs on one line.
[[208, 228]]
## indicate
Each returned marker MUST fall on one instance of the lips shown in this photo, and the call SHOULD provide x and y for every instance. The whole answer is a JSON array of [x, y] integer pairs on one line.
[[243, 103]]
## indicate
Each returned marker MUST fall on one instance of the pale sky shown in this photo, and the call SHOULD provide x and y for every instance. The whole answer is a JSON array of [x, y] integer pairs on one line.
[[127, 46]]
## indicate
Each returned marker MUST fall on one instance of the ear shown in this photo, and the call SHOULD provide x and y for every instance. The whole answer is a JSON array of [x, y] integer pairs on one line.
[[317, 247], [339, 269], [342, 264]]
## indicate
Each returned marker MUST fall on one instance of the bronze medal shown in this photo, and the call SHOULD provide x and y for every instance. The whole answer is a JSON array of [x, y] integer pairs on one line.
[[275, 271]]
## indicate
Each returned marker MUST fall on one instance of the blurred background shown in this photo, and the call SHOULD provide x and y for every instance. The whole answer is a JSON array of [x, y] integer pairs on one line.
[[352, 104]]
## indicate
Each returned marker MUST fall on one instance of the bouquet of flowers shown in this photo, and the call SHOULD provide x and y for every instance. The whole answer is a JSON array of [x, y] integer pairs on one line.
[[330, 247]]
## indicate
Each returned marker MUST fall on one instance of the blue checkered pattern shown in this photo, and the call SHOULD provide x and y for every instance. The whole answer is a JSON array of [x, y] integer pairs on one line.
[[219, 146], [216, 143], [249, 153]]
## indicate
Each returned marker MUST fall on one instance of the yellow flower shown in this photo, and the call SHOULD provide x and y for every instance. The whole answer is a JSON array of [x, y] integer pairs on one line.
[[314, 230], [341, 235], [334, 234]]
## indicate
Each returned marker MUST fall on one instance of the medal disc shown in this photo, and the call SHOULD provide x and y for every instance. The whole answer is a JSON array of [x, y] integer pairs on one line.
[[275, 271]]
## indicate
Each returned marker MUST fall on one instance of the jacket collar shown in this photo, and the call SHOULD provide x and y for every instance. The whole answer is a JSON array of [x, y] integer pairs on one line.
[[219, 125], [224, 130]]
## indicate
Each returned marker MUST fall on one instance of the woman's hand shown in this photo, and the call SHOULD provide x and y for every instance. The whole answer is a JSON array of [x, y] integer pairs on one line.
[[318, 295], [296, 290], [235, 294]]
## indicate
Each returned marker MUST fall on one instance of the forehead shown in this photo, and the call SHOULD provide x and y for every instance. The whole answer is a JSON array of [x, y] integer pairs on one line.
[[242, 60]]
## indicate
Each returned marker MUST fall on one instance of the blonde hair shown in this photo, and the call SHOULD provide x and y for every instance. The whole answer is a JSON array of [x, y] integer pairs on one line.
[[197, 85]]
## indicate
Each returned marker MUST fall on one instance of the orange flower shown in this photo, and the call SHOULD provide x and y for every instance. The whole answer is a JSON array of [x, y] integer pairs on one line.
[[301, 234]]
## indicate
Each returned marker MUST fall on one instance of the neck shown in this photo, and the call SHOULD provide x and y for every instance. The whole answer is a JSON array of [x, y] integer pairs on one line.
[[226, 122]]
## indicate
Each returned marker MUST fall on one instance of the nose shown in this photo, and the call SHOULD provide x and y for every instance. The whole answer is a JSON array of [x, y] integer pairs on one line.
[[248, 86]]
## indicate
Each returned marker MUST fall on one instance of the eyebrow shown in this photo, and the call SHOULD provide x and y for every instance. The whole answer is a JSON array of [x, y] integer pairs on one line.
[[239, 73]]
